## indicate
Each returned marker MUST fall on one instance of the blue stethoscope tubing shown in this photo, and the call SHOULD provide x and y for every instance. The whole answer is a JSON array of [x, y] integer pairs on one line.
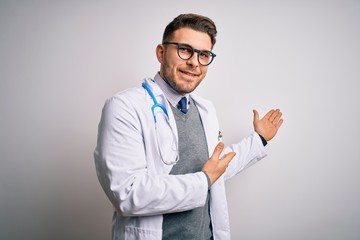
[[169, 155], [156, 104]]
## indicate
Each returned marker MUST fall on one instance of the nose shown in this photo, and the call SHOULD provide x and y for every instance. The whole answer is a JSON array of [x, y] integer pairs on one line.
[[193, 61]]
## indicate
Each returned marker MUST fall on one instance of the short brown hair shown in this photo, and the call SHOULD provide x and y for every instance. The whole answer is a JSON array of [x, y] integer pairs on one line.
[[193, 21]]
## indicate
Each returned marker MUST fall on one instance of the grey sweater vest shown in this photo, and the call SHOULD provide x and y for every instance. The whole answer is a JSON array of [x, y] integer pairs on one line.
[[193, 153]]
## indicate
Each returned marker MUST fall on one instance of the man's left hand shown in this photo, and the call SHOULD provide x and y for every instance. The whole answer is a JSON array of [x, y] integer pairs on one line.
[[269, 124]]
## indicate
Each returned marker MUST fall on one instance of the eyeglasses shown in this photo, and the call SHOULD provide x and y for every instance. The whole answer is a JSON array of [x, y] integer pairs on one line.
[[186, 51]]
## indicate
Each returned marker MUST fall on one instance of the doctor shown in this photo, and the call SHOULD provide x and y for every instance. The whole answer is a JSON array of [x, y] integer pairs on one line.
[[159, 157]]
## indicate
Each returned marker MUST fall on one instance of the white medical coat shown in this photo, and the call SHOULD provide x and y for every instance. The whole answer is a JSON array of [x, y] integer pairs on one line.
[[136, 180]]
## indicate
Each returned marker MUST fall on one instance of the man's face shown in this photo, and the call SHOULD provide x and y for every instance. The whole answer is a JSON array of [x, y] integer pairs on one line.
[[183, 75]]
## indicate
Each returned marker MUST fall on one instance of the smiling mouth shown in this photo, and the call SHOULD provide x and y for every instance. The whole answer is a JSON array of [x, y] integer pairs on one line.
[[189, 73]]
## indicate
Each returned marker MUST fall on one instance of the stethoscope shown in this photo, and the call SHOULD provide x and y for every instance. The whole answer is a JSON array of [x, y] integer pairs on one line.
[[156, 104], [165, 136]]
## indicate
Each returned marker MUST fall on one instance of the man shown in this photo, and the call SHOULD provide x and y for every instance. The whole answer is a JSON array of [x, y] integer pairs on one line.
[[164, 168]]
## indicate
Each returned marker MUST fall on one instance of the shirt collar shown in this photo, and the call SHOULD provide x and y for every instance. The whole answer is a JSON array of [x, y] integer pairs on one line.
[[171, 95]]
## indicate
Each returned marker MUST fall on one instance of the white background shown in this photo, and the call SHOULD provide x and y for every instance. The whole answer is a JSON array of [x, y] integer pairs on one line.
[[60, 60]]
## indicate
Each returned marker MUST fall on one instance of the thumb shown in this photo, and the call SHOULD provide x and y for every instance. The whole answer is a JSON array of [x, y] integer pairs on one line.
[[218, 149], [256, 115]]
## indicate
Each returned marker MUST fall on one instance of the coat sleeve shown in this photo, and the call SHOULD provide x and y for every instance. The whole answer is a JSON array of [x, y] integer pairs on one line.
[[248, 151], [124, 171]]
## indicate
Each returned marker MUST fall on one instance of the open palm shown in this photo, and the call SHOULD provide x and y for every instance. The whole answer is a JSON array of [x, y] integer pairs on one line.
[[269, 124]]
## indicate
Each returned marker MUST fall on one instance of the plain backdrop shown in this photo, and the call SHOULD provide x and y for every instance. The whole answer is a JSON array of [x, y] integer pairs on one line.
[[60, 60]]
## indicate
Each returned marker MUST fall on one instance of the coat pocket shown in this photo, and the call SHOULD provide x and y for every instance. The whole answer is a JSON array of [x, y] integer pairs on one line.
[[135, 233]]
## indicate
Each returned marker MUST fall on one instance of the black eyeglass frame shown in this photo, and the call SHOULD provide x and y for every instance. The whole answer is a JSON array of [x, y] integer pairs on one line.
[[213, 55]]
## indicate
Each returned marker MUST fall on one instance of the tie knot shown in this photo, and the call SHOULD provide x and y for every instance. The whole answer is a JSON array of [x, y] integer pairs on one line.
[[183, 105]]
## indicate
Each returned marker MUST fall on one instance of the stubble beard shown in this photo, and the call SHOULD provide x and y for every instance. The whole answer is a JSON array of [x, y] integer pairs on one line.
[[174, 85]]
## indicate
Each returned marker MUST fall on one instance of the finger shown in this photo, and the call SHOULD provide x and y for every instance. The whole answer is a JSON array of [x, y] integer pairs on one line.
[[228, 157], [267, 116], [278, 125], [217, 151], [277, 117], [256, 115], [273, 115]]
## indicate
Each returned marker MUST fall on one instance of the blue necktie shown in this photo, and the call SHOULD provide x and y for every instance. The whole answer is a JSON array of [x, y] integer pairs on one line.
[[183, 105]]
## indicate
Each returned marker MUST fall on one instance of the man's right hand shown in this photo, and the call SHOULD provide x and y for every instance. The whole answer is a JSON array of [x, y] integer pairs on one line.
[[215, 166]]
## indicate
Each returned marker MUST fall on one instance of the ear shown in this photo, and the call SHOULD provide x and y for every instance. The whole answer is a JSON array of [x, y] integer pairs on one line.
[[160, 52]]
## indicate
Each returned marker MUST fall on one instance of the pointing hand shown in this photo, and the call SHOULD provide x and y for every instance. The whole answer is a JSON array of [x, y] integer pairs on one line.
[[215, 166]]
